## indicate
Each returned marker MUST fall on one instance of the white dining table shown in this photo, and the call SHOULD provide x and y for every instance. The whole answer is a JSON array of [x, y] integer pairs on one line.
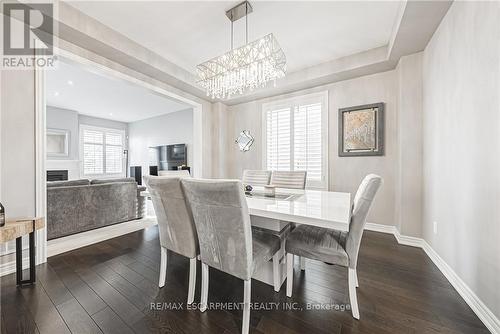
[[311, 207]]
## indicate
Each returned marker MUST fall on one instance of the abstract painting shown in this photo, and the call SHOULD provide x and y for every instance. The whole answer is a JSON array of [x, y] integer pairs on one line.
[[361, 130]]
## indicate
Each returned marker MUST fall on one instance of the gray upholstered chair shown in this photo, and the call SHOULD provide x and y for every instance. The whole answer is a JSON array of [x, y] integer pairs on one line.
[[175, 224], [227, 241], [333, 246], [256, 177], [292, 180]]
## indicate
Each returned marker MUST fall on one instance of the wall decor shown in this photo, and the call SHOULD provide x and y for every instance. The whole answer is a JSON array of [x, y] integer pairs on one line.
[[361, 130], [57, 143], [244, 140]]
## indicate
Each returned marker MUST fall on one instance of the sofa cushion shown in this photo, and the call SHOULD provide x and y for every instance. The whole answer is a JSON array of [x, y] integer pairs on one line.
[[81, 182], [122, 179]]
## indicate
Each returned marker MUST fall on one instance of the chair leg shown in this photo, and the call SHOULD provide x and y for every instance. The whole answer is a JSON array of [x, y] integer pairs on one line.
[[356, 278], [163, 267], [352, 293], [204, 287], [246, 306], [192, 280], [289, 274], [302, 263], [276, 272]]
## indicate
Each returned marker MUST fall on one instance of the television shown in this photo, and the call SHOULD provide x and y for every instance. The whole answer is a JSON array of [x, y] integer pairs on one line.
[[168, 157]]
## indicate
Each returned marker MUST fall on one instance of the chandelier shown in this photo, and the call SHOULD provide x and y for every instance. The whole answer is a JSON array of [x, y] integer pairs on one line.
[[250, 66]]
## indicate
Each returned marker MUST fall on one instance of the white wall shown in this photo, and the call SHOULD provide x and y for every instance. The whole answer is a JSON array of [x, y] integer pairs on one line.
[[461, 105], [172, 128], [345, 173], [17, 148]]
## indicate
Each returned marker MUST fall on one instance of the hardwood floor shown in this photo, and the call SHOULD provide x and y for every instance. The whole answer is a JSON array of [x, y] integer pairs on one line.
[[109, 287]]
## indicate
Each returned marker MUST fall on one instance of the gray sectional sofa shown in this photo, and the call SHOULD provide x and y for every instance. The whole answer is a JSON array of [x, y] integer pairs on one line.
[[81, 205]]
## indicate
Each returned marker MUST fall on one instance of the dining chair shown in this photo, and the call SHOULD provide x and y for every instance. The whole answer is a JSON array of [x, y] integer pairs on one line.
[[174, 173], [332, 246], [256, 177], [227, 241], [291, 179], [175, 224]]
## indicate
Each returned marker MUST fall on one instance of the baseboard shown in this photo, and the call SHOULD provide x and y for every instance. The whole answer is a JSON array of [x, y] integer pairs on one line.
[[10, 267], [75, 241], [380, 228], [478, 307]]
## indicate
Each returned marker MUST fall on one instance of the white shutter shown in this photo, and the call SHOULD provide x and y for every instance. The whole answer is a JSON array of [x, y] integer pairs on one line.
[[114, 153], [93, 152], [296, 137], [278, 139], [307, 145], [102, 151]]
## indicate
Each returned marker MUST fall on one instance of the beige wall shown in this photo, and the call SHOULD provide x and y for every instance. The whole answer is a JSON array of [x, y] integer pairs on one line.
[[461, 109], [345, 173]]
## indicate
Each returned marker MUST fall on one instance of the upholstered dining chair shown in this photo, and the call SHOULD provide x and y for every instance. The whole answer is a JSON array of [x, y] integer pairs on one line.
[[175, 224], [333, 246], [227, 241], [291, 180], [256, 177]]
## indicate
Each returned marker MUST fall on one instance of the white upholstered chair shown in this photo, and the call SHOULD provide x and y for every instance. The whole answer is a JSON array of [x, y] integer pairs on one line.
[[333, 246], [256, 177], [227, 241], [175, 225]]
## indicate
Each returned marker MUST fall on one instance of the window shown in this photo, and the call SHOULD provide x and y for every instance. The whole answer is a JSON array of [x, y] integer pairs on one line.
[[296, 137], [101, 151]]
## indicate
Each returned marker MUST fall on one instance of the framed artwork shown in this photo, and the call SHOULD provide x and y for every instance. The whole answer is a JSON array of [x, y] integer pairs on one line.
[[361, 130]]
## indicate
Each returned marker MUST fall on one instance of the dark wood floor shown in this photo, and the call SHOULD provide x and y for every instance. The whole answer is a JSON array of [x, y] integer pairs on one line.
[[109, 287]]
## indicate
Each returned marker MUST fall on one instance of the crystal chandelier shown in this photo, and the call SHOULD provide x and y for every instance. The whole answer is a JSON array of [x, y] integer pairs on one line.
[[250, 66]]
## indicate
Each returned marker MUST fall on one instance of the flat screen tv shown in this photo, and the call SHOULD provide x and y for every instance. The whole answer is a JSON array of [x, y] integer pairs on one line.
[[169, 157]]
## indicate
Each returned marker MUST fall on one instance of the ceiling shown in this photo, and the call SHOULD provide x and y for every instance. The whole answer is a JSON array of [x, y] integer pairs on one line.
[[73, 87], [188, 33]]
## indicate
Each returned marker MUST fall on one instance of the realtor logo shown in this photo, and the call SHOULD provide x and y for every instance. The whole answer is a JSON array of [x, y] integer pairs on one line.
[[28, 35], [25, 23]]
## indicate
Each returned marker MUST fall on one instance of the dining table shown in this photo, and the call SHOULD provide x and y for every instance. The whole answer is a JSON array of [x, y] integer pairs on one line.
[[321, 208]]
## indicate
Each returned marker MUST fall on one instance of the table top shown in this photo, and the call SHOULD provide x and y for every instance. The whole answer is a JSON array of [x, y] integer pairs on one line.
[[17, 227], [312, 207]]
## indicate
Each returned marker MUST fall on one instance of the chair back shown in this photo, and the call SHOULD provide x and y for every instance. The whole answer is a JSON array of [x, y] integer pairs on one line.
[[256, 177], [222, 221], [291, 180], [174, 173], [175, 222], [362, 203]]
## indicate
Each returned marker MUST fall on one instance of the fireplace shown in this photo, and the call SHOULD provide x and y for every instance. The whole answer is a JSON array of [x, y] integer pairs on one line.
[[57, 175]]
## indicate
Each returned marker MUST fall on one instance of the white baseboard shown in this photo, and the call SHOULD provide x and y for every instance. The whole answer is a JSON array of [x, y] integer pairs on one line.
[[10, 267], [71, 242], [482, 311], [381, 228]]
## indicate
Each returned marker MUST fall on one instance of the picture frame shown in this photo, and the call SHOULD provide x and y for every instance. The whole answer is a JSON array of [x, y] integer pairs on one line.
[[361, 130]]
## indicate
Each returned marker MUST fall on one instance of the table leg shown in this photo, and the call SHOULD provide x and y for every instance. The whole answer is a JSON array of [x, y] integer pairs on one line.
[[19, 260], [32, 258]]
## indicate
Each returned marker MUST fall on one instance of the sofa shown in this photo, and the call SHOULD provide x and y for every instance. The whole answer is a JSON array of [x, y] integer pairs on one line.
[[81, 205]]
